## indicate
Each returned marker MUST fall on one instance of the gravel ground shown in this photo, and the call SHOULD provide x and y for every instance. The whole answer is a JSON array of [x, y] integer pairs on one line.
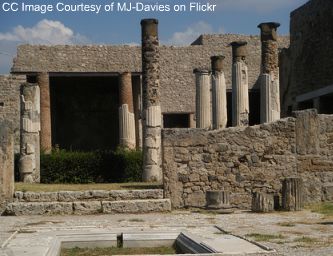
[[289, 233]]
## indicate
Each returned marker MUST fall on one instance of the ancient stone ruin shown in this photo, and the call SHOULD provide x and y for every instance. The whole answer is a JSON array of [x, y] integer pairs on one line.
[[228, 91]]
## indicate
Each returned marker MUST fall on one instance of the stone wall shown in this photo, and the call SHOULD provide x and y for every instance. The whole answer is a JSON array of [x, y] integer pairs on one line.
[[249, 159], [177, 63], [308, 63], [10, 102]]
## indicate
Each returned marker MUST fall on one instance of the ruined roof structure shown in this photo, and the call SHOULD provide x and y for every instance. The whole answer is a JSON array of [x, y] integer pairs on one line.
[[177, 63]]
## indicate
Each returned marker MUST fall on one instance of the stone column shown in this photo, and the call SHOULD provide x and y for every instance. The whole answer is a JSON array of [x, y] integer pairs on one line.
[[217, 199], [269, 77], [29, 164], [6, 162], [219, 93], [152, 170], [262, 202], [292, 194], [126, 112], [45, 112], [203, 99], [240, 87]]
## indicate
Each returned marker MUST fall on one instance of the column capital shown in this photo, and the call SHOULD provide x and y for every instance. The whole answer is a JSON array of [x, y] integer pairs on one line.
[[217, 62], [201, 71], [149, 27], [268, 30], [239, 49]]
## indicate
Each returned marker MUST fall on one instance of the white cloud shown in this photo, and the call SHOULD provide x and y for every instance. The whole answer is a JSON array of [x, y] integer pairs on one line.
[[44, 32], [48, 32], [191, 33]]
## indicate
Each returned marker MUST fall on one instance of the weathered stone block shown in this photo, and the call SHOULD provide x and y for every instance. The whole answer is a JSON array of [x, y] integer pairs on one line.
[[217, 199], [292, 194], [6, 162], [88, 207], [137, 206], [262, 202], [307, 131], [38, 208]]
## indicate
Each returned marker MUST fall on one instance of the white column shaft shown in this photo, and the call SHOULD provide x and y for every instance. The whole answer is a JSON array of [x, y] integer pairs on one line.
[[240, 94]]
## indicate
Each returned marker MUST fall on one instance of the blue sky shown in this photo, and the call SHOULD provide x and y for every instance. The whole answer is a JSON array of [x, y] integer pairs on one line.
[[230, 16]]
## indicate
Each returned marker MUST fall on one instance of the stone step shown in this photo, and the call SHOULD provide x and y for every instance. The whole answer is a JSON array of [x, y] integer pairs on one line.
[[88, 195], [88, 207]]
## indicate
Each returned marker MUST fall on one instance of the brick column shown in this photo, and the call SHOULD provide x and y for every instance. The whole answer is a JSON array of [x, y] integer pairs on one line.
[[126, 111], [152, 170], [240, 88], [219, 93], [6, 162], [203, 99], [269, 77], [45, 112], [29, 164]]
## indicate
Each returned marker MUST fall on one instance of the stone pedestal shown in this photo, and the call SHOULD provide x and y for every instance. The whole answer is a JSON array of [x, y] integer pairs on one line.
[[219, 93], [292, 194], [45, 112], [126, 112], [152, 170], [29, 164], [6, 162], [262, 202], [203, 99], [269, 77], [240, 87], [217, 199]]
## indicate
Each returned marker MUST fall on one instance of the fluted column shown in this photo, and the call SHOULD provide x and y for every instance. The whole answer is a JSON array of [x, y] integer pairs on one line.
[[126, 112], [152, 122], [240, 88], [269, 77], [203, 98], [29, 164], [45, 112], [219, 93]]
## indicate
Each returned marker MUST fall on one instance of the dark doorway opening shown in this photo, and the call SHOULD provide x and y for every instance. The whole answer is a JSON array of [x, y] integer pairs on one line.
[[84, 112], [326, 106], [176, 120], [305, 105], [254, 104]]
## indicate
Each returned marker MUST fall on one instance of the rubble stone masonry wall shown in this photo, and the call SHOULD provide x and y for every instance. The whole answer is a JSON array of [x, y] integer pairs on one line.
[[307, 64], [10, 103], [243, 160], [177, 63]]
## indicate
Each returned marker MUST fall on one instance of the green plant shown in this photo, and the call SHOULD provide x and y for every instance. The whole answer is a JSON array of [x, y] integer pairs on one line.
[[63, 166], [325, 208], [265, 237]]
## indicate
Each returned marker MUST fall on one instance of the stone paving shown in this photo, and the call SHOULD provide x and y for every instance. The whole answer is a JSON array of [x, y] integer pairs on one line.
[[297, 233]]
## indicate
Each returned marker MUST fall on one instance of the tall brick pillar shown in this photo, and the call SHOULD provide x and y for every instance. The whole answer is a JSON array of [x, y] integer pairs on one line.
[[126, 111], [152, 170], [219, 93], [6, 162], [45, 112], [203, 98], [29, 164], [240, 87], [269, 77]]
